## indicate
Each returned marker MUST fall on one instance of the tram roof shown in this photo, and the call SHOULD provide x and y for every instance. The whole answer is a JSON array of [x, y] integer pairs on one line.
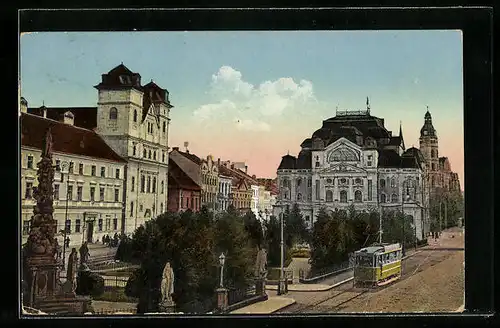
[[380, 248]]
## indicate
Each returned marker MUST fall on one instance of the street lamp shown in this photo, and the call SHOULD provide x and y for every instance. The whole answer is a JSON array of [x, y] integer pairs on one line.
[[407, 197], [65, 170], [222, 260], [281, 289]]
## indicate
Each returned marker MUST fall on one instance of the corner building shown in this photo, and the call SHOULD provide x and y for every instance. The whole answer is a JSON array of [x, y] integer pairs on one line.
[[354, 159], [133, 119]]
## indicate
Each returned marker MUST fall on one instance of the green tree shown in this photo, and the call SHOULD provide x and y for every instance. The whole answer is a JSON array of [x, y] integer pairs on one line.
[[397, 228], [295, 227], [253, 227], [272, 241]]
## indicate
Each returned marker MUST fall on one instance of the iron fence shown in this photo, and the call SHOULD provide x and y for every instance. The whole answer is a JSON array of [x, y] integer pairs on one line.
[[328, 270], [236, 295], [115, 281]]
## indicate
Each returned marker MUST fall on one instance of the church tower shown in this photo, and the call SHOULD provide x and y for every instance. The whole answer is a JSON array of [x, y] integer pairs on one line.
[[429, 148]]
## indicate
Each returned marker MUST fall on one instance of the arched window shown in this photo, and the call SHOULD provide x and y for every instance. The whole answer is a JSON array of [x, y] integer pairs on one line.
[[382, 198], [113, 113], [394, 198], [343, 196], [299, 182], [299, 197], [135, 115], [154, 155], [134, 149], [164, 127], [149, 154], [382, 183], [148, 186], [393, 183], [358, 196], [162, 187], [154, 185], [161, 208], [144, 153]]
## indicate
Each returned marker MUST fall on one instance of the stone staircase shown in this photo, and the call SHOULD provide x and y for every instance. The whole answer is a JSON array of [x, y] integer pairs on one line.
[[65, 306]]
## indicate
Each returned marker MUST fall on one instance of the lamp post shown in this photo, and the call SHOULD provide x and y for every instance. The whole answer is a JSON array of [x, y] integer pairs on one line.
[[281, 287], [65, 170], [222, 260], [407, 196]]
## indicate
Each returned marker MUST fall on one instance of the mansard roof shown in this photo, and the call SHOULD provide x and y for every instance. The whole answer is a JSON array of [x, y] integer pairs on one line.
[[67, 138], [287, 162], [120, 77]]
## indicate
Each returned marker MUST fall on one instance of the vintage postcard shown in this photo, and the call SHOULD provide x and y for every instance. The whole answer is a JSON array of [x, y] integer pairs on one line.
[[241, 172]]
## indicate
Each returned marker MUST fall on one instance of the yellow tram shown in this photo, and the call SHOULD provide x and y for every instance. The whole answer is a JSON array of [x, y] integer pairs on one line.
[[377, 265]]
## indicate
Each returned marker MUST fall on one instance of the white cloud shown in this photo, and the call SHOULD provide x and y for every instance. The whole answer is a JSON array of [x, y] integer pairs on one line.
[[253, 105], [249, 125]]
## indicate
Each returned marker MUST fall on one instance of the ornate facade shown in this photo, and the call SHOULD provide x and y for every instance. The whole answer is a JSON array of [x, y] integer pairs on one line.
[[354, 160]]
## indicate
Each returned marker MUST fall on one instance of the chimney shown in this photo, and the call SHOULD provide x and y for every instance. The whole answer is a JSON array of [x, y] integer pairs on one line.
[[68, 118], [254, 176], [175, 148], [246, 168], [218, 161], [232, 166]]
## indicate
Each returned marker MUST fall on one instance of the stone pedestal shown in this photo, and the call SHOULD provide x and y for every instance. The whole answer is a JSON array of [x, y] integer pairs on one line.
[[167, 307], [260, 286], [46, 293], [222, 301]]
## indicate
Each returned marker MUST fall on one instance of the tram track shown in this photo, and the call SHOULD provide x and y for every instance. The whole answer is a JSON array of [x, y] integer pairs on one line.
[[336, 297]]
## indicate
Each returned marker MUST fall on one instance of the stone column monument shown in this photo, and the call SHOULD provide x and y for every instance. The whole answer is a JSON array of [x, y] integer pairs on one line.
[[41, 265]]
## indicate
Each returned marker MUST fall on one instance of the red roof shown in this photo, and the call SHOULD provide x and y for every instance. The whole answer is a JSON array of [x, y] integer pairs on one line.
[[66, 138], [177, 177], [85, 117]]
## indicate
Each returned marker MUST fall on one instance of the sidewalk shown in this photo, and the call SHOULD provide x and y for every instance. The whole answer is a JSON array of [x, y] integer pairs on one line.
[[303, 287], [271, 305]]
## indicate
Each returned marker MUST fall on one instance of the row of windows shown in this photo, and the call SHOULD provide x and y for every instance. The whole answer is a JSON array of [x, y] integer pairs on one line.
[[141, 208], [148, 185], [190, 202], [71, 168], [111, 225], [148, 153], [209, 180], [113, 115], [224, 188], [393, 184], [79, 193]]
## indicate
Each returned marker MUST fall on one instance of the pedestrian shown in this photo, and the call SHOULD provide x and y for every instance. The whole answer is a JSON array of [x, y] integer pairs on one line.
[[67, 241]]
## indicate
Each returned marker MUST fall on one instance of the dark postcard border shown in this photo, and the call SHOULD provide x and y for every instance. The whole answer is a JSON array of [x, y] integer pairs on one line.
[[476, 24]]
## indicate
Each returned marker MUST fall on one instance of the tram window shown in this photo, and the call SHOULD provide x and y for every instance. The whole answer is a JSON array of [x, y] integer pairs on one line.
[[364, 261]]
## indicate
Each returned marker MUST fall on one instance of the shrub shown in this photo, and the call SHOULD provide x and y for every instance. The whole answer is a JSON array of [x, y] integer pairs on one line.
[[115, 294], [89, 283], [302, 253]]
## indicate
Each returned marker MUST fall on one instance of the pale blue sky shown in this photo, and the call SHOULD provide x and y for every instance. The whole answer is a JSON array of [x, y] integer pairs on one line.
[[401, 72]]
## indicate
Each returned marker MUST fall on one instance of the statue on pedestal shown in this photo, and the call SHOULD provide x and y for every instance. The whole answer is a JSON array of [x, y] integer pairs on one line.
[[167, 288], [71, 272], [84, 253]]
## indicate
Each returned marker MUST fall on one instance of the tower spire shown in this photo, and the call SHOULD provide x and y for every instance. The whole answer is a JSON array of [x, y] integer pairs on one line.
[[400, 129], [367, 105]]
